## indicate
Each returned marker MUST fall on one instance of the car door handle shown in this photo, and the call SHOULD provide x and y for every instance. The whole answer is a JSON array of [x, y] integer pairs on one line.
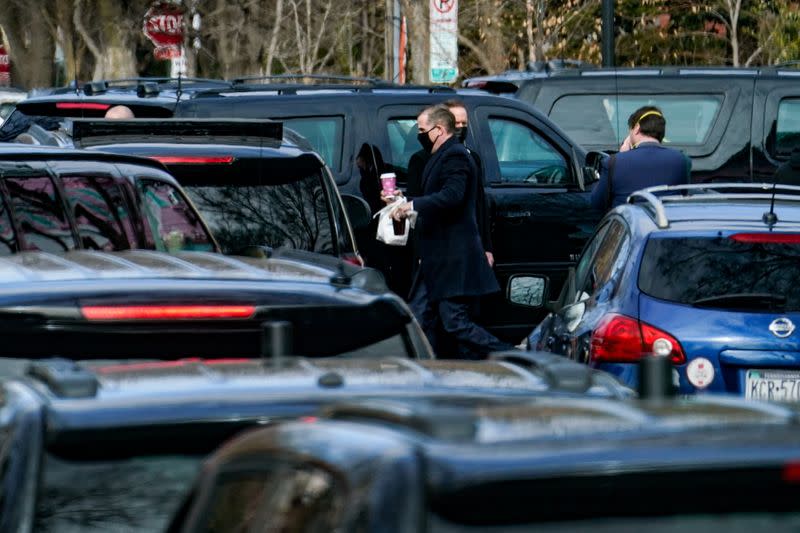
[[517, 216]]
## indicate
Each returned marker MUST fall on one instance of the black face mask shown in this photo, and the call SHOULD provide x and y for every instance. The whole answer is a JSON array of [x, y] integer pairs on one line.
[[461, 133], [425, 140]]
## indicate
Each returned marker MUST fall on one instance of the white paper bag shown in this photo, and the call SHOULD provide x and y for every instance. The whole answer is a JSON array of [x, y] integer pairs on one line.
[[386, 232]]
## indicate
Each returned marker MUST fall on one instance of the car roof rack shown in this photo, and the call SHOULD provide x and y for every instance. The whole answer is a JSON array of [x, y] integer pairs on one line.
[[654, 198], [65, 378], [327, 77]]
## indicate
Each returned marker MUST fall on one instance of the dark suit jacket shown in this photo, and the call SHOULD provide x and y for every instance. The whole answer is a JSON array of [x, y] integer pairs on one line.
[[453, 262], [647, 165]]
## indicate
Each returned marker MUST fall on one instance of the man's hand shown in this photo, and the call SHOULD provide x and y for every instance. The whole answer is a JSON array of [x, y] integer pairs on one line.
[[389, 198], [401, 211], [626, 144], [490, 258]]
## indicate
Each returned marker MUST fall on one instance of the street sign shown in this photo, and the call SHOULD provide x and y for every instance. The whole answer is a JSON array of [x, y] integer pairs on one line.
[[5, 67], [163, 25], [444, 40]]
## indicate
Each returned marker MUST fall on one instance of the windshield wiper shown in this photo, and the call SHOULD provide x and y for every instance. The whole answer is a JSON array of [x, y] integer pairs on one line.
[[749, 300]]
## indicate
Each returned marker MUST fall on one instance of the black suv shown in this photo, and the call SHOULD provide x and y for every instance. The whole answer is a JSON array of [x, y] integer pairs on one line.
[[737, 124], [60, 200], [533, 172]]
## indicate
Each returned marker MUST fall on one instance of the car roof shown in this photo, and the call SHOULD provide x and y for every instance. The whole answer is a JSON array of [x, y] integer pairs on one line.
[[12, 152]]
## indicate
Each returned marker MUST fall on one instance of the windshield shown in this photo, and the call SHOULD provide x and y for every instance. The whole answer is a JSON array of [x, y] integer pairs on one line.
[[722, 272], [136, 494]]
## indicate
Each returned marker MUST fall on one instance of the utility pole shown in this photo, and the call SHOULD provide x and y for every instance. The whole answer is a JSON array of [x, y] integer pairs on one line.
[[608, 33]]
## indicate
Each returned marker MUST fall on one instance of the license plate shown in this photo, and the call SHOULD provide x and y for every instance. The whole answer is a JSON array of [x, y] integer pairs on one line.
[[772, 385]]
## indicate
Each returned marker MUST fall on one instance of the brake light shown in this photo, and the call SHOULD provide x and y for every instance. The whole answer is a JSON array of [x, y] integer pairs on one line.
[[193, 159], [166, 312], [791, 472], [621, 339], [767, 238], [82, 105], [353, 259]]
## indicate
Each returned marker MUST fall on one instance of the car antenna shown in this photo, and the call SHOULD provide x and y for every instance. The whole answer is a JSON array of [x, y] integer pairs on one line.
[[770, 218]]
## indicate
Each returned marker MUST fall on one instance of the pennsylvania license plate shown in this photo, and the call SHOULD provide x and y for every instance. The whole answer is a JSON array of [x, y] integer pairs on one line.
[[773, 385]]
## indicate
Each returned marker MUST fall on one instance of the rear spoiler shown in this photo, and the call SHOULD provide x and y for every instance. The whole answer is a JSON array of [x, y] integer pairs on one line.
[[88, 132]]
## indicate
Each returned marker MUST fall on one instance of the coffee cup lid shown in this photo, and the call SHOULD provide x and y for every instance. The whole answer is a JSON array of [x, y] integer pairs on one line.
[[388, 175]]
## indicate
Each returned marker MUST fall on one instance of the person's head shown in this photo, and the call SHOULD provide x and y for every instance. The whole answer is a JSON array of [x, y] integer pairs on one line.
[[647, 121], [435, 125], [459, 111], [119, 112]]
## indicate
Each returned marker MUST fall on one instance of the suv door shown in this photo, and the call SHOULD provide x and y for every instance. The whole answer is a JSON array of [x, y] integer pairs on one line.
[[541, 217]]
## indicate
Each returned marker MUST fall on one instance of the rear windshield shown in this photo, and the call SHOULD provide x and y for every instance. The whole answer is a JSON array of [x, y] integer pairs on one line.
[[135, 494], [722, 272], [276, 211]]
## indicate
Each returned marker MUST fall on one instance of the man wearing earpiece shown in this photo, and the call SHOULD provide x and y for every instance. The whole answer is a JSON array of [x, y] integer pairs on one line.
[[642, 161]]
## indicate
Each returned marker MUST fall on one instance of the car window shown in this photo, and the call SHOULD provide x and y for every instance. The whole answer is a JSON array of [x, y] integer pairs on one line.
[[722, 272], [608, 250], [100, 213], [403, 143], [8, 239], [525, 156], [787, 135], [285, 498], [170, 222], [40, 214], [583, 268], [324, 134], [276, 210], [602, 119]]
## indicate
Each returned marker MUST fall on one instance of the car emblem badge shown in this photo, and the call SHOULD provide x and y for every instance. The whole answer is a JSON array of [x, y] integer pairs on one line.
[[781, 327]]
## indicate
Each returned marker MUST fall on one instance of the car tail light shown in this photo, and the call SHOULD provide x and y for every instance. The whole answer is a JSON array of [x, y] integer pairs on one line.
[[791, 472], [767, 238], [193, 159], [82, 105], [621, 339], [353, 259], [166, 312]]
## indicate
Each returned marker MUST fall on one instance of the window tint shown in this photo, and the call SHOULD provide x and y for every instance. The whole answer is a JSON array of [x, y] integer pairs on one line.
[[8, 239], [276, 210], [602, 119], [583, 268], [524, 156], [100, 213], [787, 135], [724, 272], [39, 214], [403, 143], [170, 222], [324, 134], [286, 498]]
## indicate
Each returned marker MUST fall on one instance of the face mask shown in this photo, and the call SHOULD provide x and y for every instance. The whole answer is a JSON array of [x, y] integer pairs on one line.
[[462, 133], [425, 140]]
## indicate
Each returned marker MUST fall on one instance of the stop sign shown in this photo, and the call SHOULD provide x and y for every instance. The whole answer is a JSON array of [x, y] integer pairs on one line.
[[163, 25], [5, 67]]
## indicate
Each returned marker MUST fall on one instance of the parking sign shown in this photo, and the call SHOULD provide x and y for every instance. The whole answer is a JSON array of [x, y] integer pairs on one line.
[[444, 40]]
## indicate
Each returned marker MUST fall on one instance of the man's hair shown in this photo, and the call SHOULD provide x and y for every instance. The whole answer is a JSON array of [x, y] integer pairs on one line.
[[440, 115], [651, 122], [454, 102]]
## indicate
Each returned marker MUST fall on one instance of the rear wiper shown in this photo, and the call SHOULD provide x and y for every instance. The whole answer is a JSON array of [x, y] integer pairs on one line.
[[750, 300]]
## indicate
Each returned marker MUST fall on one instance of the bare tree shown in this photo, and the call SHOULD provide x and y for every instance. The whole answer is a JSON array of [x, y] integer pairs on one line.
[[30, 42], [417, 17]]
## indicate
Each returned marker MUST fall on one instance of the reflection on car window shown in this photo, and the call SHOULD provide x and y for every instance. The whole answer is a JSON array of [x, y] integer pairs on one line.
[[525, 156], [171, 224], [691, 269], [288, 498], [8, 239], [136, 494], [607, 253], [100, 213], [602, 119], [403, 143], [270, 213], [787, 134], [40, 215], [325, 135]]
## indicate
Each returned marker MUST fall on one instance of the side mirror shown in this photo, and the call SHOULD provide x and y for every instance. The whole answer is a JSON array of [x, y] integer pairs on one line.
[[357, 210], [591, 168], [527, 291]]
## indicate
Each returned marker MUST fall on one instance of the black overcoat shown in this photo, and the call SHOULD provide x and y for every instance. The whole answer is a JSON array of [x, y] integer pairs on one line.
[[452, 259]]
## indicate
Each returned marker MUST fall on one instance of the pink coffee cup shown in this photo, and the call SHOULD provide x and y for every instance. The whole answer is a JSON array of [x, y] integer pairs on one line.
[[388, 183]]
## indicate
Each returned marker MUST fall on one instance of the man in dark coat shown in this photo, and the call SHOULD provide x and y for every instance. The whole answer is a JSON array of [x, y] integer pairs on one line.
[[642, 161], [452, 268]]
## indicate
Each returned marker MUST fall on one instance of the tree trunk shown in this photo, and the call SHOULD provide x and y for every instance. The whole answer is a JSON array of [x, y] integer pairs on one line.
[[417, 19], [30, 43]]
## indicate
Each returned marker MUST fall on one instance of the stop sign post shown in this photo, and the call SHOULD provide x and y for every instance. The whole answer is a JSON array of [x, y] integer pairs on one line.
[[163, 25]]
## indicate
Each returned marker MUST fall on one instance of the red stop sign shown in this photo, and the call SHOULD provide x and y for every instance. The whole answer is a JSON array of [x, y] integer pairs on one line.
[[5, 67], [163, 25]]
